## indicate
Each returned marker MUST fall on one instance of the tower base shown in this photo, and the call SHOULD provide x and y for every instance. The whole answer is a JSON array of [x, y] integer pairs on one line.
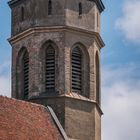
[[79, 116]]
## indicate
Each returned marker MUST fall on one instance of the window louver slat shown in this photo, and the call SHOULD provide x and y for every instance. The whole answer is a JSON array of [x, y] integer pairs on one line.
[[50, 69]]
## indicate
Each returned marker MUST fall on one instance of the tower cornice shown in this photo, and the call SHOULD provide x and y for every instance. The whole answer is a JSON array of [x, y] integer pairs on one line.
[[31, 31]]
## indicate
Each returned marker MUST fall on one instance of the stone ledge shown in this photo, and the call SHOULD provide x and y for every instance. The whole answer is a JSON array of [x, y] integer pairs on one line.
[[74, 96], [31, 31]]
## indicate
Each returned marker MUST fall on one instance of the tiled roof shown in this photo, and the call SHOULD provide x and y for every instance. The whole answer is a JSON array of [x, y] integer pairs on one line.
[[20, 120]]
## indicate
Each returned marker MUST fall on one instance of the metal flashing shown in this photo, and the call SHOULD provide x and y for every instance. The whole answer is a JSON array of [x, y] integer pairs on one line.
[[57, 123]]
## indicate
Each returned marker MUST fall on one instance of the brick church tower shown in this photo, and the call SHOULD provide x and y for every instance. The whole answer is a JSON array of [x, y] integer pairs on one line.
[[56, 60]]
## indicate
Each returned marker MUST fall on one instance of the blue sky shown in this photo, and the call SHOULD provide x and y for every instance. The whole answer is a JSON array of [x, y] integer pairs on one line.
[[120, 30]]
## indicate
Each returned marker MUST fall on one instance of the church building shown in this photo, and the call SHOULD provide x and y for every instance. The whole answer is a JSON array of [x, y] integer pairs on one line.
[[56, 48]]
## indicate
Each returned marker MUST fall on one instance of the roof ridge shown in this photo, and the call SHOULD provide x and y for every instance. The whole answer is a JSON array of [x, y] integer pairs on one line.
[[22, 101]]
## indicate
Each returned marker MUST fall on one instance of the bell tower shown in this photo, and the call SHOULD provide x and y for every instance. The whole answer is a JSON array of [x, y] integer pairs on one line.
[[56, 60]]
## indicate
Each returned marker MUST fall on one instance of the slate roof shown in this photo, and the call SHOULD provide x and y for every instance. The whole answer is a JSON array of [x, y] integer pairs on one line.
[[20, 120]]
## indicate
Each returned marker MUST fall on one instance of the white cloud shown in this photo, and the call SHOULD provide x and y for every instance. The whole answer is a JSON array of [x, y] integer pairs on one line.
[[5, 79], [121, 103], [129, 22]]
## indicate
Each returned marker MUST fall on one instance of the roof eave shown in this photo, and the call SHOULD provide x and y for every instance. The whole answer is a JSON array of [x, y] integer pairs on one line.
[[100, 5], [12, 2]]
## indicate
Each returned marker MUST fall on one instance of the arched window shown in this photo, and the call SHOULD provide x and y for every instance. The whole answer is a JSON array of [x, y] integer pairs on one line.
[[49, 7], [50, 69], [80, 8], [22, 74], [97, 79], [22, 14], [76, 70], [25, 72]]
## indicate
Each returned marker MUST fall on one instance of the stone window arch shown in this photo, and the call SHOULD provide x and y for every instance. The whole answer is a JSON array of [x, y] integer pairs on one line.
[[49, 71], [22, 74], [80, 70], [97, 67]]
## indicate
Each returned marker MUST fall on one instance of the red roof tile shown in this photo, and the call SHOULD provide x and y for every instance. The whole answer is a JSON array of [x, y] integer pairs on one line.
[[20, 120]]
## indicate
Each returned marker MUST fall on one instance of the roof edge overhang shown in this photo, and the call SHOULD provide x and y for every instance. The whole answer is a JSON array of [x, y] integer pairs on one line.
[[11, 3], [99, 4], [30, 31]]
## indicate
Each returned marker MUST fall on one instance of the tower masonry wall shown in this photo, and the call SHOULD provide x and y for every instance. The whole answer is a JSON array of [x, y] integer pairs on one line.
[[76, 116], [65, 41], [66, 28], [79, 118], [34, 44], [64, 13]]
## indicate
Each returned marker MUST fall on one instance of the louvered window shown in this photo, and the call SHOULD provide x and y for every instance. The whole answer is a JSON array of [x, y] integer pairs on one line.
[[49, 7], [26, 74], [76, 70], [50, 69]]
